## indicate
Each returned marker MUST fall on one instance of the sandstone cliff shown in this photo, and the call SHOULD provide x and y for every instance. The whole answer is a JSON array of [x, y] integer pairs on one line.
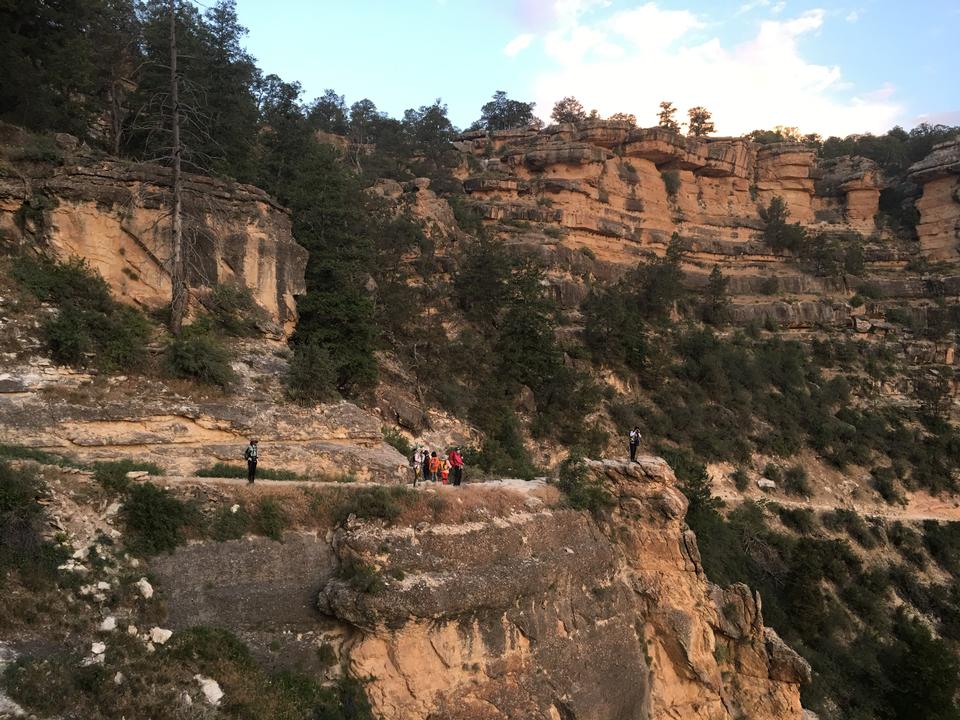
[[593, 199], [115, 215], [543, 613], [939, 206]]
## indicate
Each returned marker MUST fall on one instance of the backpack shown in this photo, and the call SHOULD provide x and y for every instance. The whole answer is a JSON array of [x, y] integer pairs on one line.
[[434, 464]]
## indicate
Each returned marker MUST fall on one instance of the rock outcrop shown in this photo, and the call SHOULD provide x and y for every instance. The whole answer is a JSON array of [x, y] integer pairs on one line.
[[554, 614], [939, 206], [116, 216], [63, 411], [612, 193]]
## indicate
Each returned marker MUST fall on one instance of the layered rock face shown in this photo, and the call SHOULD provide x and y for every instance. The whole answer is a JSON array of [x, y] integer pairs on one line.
[[116, 216], [939, 206], [616, 189], [64, 411], [593, 199], [552, 614]]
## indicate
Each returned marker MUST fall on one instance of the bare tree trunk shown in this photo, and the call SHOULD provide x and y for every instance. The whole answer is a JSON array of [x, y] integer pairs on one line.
[[178, 299]]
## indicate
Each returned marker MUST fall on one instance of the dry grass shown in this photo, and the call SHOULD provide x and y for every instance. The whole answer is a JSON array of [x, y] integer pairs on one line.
[[316, 507]]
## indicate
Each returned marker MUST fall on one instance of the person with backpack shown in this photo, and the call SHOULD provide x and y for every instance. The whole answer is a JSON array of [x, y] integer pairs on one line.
[[251, 455], [456, 465], [434, 466], [634, 443], [444, 471], [416, 463]]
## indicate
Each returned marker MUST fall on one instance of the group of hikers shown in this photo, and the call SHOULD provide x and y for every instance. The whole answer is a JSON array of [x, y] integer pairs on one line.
[[430, 466], [427, 465]]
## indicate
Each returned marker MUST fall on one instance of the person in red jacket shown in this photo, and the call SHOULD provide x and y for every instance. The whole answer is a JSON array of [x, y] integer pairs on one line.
[[456, 465]]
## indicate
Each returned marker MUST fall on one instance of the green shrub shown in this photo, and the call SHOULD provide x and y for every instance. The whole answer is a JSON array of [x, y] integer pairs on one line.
[[229, 525], [69, 283], [741, 480], [155, 520], [312, 375], [43, 685], [909, 543], [854, 525], [582, 491], [795, 482], [269, 519], [112, 474], [943, 542], [885, 483], [671, 182], [384, 502], [773, 472], [90, 328], [396, 439], [196, 355], [361, 576], [23, 548], [224, 470], [801, 520], [21, 452], [234, 310], [207, 646]]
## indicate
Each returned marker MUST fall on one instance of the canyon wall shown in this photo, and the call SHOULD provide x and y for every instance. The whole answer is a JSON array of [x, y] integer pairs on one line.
[[116, 215], [546, 613], [939, 206]]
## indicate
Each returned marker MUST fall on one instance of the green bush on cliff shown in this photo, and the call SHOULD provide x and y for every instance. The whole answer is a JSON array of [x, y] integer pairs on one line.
[[196, 355], [155, 520], [112, 474], [582, 491], [23, 549], [234, 310], [90, 328]]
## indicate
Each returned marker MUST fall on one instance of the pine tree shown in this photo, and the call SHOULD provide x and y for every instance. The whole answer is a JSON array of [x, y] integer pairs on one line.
[[568, 110], [700, 123], [667, 117], [716, 303]]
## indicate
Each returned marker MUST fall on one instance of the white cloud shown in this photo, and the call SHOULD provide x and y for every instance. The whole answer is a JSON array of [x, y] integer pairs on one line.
[[630, 60], [518, 44]]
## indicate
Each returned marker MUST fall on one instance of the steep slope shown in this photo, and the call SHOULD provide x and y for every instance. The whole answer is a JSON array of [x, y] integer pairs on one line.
[[541, 612]]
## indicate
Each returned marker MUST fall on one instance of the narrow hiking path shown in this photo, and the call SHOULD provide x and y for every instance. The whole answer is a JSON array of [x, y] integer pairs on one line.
[[919, 508], [522, 486]]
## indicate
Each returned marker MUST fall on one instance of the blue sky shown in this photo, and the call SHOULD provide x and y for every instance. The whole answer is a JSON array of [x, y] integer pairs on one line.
[[831, 68]]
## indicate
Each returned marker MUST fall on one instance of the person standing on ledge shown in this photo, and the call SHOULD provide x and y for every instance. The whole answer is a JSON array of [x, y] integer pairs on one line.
[[634, 443], [250, 455]]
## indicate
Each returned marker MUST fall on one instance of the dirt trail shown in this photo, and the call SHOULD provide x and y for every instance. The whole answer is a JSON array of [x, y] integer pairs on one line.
[[919, 508], [523, 486]]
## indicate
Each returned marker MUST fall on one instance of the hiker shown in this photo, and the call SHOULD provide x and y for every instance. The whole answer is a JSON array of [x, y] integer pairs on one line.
[[434, 466], [416, 462], [634, 443], [250, 455], [425, 465], [456, 465], [444, 471]]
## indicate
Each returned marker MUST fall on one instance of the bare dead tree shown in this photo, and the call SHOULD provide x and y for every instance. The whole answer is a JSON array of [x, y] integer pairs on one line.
[[178, 281]]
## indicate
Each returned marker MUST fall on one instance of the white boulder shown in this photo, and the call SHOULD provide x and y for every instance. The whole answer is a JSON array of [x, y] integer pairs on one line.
[[158, 635], [210, 688], [146, 589]]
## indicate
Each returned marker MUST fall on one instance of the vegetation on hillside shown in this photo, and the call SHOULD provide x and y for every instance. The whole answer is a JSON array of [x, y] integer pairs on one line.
[[881, 639]]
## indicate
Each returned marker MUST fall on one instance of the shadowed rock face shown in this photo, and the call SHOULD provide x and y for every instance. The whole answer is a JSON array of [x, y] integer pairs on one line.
[[554, 614], [939, 206], [116, 216]]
